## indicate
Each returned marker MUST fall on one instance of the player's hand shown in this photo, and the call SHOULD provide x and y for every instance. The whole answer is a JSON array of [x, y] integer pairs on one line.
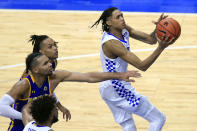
[[165, 41], [162, 16], [126, 76], [65, 111]]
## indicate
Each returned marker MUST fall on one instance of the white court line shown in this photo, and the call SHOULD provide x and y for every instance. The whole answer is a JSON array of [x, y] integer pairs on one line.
[[97, 54]]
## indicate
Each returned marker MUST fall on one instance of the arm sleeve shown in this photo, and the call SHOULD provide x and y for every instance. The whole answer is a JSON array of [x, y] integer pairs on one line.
[[57, 100], [6, 110]]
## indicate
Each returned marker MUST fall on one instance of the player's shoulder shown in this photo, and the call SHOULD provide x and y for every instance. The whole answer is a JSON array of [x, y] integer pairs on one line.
[[23, 83], [108, 36], [112, 43]]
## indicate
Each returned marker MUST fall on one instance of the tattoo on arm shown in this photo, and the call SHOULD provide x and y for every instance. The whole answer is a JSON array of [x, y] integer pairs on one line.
[[153, 35]]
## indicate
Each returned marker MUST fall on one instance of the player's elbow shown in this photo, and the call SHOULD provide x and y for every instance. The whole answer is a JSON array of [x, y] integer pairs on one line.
[[142, 68]]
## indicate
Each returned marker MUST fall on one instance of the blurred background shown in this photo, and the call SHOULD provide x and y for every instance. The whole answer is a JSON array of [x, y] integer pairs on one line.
[[179, 6]]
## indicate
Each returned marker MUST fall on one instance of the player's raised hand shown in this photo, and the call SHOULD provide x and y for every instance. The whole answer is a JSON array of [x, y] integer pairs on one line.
[[165, 41], [126, 76], [162, 16]]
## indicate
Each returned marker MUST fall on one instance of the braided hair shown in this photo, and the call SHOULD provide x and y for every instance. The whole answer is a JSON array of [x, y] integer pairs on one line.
[[36, 40], [106, 13], [31, 60]]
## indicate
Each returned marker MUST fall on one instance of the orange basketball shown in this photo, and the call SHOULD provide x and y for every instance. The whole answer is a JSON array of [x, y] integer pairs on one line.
[[168, 27]]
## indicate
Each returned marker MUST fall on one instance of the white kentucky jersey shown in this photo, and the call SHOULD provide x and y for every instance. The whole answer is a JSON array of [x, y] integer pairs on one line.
[[32, 126], [122, 88]]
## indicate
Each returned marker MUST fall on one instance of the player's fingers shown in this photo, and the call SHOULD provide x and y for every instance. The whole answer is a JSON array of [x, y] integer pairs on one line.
[[67, 117], [63, 115], [161, 16], [172, 40], [138, 75], [165, 16], [167, 38], [163, 37]]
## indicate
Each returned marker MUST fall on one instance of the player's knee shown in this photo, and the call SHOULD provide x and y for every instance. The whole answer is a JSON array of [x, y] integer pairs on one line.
[[128, 125], [162, 119]]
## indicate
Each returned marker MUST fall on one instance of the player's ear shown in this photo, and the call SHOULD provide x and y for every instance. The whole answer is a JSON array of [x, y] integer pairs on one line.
[[41, 51], [108, 22], [35, 70]]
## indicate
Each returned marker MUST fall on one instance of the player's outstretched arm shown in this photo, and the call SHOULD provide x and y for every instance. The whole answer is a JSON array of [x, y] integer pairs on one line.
[[144, 37], [93, 77]]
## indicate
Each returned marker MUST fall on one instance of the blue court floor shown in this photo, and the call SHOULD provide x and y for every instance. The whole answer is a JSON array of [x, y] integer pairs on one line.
[[178, 6]]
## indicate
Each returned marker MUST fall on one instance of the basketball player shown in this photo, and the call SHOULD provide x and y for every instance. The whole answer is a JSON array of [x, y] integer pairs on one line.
[[44, 113], [43, 80], [115, 54], [47, 46]]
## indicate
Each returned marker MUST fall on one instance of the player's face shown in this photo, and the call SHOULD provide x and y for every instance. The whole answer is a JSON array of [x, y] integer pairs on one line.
[[117, 20], [44, 67], [49, 48]]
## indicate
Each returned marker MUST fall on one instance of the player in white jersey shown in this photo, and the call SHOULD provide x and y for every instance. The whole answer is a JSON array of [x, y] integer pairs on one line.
[[44, 112], [115, 55], [31, 126]]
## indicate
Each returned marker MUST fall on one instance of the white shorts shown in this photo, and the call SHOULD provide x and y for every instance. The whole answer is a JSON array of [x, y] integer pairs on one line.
[[120, 107]]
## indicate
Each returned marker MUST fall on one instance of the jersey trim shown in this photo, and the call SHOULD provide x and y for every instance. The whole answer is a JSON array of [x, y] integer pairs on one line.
[[24, 99], [32, 78], [49, 85], [11, 126], [117, 37]]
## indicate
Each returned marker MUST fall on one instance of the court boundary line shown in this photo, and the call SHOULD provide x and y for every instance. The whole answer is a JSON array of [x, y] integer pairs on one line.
[[97, 54], [92, 12]]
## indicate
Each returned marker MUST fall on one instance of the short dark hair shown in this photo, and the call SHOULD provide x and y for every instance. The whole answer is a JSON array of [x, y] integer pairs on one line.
[[42, 107], [106, 13], [36, 40], [31, 60]]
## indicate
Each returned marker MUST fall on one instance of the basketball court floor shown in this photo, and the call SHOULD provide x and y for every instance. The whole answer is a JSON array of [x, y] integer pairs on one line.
[[170, 83]]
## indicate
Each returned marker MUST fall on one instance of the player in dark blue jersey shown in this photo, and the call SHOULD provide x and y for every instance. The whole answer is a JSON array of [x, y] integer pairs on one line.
[[43, 80], [34, 92], [47, 46]]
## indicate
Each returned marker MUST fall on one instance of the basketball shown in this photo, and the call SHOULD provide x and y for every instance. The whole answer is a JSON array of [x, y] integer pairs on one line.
[[168, 27]]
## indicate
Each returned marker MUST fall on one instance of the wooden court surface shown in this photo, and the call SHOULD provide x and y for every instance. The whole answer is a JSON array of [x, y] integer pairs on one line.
[[170, 83]]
